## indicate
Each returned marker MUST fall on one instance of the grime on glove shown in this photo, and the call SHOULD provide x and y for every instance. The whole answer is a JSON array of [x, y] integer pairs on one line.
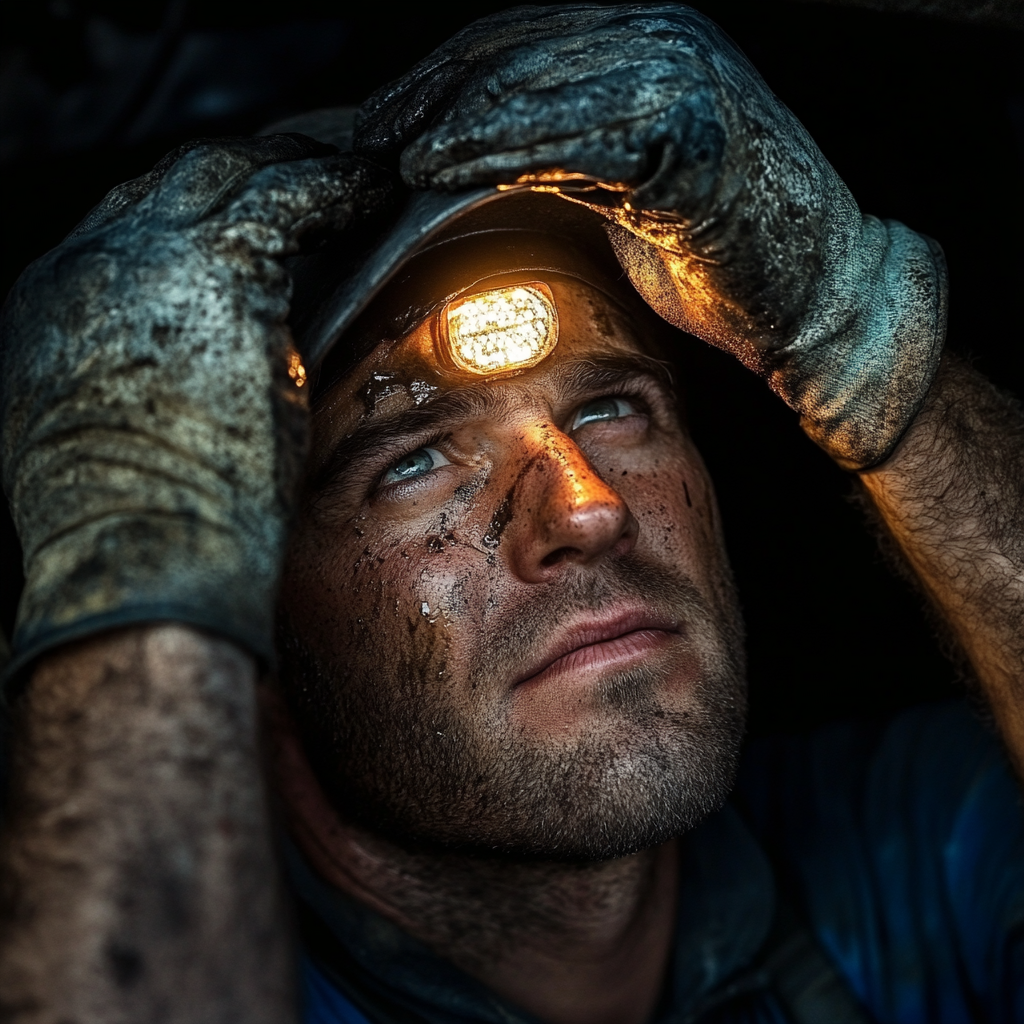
[[722, 210], [152, 420]]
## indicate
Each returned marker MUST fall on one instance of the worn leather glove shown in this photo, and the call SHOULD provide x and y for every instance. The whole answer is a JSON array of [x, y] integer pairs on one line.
[[726, 216], [152, 425]]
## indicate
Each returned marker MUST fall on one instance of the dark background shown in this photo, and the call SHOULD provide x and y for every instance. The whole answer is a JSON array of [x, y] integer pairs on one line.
[[923, 118]]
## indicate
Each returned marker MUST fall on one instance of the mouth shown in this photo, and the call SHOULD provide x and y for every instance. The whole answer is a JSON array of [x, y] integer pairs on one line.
[[599, 643]]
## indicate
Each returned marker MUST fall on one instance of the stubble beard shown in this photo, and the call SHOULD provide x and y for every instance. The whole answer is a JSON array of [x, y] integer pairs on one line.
[[400, 757]]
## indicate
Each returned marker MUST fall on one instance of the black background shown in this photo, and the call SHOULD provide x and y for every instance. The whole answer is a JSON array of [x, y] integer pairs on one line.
[[924, 119]]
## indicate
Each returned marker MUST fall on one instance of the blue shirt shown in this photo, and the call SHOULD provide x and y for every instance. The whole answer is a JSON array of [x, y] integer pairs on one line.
[[901, 847]]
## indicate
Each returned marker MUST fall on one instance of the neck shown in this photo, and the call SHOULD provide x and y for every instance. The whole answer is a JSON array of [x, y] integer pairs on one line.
[[572, 944]]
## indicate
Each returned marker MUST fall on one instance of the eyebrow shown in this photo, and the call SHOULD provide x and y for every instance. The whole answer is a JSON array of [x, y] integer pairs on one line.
[[476, 400]]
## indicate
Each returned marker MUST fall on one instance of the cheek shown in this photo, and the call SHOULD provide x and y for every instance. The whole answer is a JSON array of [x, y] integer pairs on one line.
[[672, 499], [401, 609]]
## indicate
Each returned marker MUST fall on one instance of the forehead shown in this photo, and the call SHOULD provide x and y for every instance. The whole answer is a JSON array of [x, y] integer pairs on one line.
[[407, 373]]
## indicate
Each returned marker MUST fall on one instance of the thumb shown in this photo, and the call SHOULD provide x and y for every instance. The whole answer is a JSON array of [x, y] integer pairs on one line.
[[202, 167], [288, 199]]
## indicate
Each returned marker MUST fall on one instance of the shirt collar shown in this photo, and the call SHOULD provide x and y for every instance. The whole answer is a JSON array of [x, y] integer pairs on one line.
[[726, 906]]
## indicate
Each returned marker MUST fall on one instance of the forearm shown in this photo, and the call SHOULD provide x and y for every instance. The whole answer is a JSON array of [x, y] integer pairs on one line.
[[140, 882], [952, 497]]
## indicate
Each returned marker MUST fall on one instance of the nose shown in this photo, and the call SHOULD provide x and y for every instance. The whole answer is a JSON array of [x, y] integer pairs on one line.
[[563, 513]]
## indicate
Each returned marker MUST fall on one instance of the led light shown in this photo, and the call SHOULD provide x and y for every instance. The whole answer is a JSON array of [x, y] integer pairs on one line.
[[296, 370], [501, 330]]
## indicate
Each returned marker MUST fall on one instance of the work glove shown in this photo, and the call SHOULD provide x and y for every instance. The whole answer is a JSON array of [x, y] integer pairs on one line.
[[153, 422], [722, 210]]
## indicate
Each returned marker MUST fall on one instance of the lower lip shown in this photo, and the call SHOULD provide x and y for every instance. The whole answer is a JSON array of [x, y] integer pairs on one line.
[[585, 662]]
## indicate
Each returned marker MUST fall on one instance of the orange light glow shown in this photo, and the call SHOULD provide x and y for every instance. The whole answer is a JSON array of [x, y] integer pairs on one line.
[[555, 179], [296, 370]]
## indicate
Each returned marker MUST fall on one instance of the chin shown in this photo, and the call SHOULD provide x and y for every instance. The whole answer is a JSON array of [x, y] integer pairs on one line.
[[631, 784]]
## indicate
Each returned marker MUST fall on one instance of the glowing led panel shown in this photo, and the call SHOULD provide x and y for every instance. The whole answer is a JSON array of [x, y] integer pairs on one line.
[[501, 330]]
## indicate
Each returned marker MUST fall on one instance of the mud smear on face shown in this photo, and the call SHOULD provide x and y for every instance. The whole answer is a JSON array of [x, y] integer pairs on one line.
[[505, 511], [502, 517]]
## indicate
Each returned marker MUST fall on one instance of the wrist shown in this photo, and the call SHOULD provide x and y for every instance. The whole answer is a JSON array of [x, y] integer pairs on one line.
[[861, 370]]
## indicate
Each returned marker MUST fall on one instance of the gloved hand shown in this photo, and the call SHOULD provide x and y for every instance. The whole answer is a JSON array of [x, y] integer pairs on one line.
[[152, 426], [726, 216]]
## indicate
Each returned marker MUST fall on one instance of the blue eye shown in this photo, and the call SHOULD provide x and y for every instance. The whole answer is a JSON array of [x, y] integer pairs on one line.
[[603, 409], [413, 465]]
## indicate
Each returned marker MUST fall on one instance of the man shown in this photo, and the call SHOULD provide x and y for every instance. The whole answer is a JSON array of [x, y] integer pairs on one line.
[[509, 696]]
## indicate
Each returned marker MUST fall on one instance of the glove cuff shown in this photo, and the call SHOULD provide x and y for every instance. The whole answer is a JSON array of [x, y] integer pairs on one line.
[[861, 373], [133, 569], [33, 643]]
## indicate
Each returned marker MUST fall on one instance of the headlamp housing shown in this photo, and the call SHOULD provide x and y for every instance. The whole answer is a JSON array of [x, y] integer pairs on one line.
[[501, 330]]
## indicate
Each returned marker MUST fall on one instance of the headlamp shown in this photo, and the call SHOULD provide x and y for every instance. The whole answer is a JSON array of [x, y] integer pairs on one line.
[[501, 330]]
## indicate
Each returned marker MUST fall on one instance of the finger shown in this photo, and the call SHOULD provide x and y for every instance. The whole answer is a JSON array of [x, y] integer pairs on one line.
[[486, 52], [508, 30], [401, 111], [608, 103], [209, 173], [549, 63], [610, 155], [602, 85], [693, 149], [386, 125], [282, 202], [596, 79], [130, 193], [478, 43]]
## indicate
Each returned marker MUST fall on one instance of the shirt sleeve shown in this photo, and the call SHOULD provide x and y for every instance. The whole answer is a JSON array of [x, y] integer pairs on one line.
[[905, 845]]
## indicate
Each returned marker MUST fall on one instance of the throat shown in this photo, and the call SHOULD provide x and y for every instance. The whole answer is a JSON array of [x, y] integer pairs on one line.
[[570, 943]]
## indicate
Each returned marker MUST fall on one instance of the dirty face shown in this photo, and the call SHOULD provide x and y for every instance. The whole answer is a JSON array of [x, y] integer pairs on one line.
[[507, 619]]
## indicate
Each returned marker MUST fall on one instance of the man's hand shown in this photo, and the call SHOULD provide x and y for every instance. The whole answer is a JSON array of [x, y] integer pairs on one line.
[[152, 434], [152, 424], [728, 219]]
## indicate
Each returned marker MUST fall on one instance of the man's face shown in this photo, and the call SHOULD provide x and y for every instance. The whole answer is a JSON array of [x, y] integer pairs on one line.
[[507, 618]]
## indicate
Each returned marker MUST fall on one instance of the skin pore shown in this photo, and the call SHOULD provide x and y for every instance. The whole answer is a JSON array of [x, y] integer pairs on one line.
[[511, 660]]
